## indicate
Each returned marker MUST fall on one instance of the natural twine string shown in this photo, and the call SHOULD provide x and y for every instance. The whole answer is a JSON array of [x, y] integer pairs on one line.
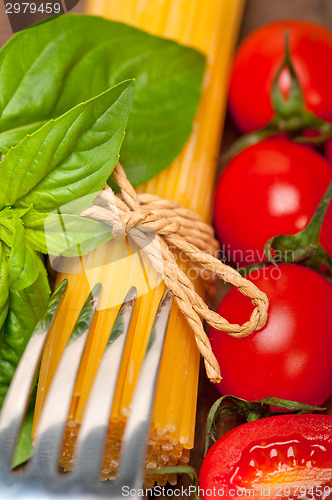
[[176, 226]]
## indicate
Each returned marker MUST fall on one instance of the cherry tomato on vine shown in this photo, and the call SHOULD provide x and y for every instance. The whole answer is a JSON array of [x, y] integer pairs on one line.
[[282, 457], [270, 188], [290, 358], [258, 59]]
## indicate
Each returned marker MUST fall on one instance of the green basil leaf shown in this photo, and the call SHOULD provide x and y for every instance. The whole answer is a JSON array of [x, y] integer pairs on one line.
[[68, 157], [22, 261], [64, 234], [49, 68], [23, 264], [7, 226], [24, 447], [34, 234], [4, 292], [34, 230], [25, 309]]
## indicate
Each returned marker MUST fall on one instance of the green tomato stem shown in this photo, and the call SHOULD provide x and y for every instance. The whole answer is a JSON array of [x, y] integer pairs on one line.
[[294, 103], [252, 416], [304, 247]]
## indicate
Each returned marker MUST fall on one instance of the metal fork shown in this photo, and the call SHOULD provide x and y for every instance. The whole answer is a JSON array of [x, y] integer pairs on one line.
[[40, 478]]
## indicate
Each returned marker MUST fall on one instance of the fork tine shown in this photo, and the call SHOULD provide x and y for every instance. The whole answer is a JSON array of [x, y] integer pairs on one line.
[[54, 416], [17, 399], [91, 439], [136, 432]]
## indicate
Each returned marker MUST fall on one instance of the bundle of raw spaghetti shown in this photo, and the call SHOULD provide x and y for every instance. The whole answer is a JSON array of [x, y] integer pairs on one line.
[[189, 180]]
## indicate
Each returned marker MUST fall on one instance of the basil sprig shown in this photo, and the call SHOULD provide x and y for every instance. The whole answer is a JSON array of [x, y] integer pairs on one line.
[[49, 68]]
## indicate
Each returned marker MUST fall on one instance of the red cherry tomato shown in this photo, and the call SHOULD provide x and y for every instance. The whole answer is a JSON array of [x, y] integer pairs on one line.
[[328, 150], [290, 358], [268, 189], [258, 59], [279, 457]]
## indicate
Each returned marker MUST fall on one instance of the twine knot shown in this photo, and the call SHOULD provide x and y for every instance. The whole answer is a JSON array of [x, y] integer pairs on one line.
[[145, 219], [159, 225]]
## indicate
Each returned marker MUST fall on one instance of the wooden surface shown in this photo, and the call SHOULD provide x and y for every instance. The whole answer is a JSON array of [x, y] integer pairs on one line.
[[257, 12]]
